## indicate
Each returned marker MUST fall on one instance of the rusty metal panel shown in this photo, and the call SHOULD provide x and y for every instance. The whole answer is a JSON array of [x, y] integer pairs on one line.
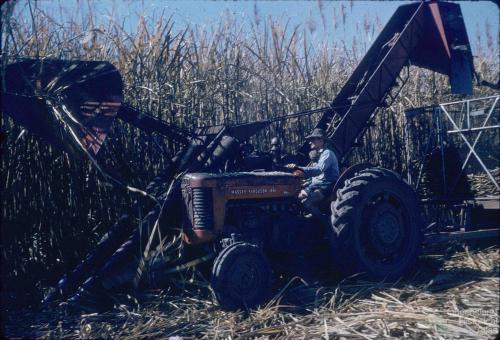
[[445, 47], [71, 104]]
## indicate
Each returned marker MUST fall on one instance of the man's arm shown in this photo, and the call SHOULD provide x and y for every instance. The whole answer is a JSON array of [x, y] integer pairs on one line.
[[324, 162]]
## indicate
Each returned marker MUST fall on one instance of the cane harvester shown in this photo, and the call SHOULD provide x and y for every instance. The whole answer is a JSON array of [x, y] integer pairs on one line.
[[249, 225]]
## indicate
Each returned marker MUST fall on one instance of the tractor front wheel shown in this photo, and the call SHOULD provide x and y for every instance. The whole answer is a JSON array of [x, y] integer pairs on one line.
[[241, 277]]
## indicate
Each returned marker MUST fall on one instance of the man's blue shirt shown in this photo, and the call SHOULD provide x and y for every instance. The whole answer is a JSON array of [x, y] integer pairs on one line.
[[324, 173]]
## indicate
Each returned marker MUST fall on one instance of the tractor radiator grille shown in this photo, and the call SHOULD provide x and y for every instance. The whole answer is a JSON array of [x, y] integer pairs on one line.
[[202, 208]]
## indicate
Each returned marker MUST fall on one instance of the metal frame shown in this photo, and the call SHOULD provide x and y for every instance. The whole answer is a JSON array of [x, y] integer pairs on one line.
[[442, 113], [457, 118], [438, 238], [463, 132]]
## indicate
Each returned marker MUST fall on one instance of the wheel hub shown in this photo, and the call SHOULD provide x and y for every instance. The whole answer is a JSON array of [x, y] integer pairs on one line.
[[386, 229], [244, 278]]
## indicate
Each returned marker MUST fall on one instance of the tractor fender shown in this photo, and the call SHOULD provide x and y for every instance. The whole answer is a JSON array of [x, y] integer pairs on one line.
[[346, 174]]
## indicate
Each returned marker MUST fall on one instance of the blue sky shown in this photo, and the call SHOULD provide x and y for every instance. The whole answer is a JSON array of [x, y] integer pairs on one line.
[[304, 14]]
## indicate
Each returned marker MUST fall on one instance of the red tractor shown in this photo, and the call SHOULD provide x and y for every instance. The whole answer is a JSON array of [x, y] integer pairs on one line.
[[255, 224]]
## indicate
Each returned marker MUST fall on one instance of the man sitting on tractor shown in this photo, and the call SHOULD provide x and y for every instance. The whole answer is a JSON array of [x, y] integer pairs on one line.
[[322, 174]]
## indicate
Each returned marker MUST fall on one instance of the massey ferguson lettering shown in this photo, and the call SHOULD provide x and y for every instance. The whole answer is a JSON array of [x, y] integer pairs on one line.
[[251, 191]]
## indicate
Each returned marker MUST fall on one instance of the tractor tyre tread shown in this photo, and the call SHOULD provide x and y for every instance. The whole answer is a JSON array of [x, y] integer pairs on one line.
[[345, 219]]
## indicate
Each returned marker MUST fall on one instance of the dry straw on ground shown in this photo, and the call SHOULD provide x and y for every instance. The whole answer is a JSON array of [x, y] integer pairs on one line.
[[450, 296]]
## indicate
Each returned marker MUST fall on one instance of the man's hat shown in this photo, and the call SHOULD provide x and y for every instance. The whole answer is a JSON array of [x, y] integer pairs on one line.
[[317, 133]]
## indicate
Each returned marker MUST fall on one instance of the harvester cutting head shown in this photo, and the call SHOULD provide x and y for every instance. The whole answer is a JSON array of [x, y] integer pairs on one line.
[[71, 104]]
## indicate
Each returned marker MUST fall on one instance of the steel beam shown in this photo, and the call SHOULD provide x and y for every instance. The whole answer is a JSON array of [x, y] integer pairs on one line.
[[461, 236]]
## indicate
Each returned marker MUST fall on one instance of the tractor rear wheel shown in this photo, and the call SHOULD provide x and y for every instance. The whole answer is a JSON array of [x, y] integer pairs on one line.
[[376, 225], [241, 277]]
